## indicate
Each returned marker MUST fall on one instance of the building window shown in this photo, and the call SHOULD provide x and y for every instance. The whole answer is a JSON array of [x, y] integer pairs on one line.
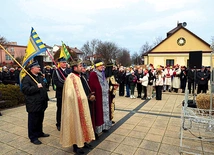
[[11, 49], [170, 62], [8, 57]]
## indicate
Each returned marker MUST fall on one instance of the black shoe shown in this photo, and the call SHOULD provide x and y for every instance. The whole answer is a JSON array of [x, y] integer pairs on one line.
[[113, 122], [77, 150], [105, 130], [0, 114], [169, 90], [143, 98], [44, 135], [138, 96], [96, 136], [58, 128], [36, 142], [89, 146], [127, 96]]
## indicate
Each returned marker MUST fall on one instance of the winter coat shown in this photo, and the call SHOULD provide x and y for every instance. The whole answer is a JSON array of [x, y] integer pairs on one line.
[[36, 99]]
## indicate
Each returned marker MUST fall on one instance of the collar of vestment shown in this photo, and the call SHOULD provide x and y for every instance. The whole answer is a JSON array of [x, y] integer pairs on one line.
[[76, 73]]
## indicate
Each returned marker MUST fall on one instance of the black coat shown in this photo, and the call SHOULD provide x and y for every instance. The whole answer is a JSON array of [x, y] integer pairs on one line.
[[204, 75], [151, 78], [121, 77], [58, 80], [36, 99]]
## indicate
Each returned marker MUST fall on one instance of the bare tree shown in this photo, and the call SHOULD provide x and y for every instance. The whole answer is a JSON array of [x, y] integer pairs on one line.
[[145, 48], [157, 41], [107, 51], [3, 41], [123, 57], [90, 47], [136, 59], [212, 42]]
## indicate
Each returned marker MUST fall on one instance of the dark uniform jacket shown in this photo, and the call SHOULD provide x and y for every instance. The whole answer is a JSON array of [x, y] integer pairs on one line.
[[36, 99], [59, 80], [204, 75]]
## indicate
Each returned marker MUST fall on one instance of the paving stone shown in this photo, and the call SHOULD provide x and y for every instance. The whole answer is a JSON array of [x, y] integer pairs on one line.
[[125, 149], [154, 137], [4, 148], [135, 142], [122, 131], [115, 138], [108, 145], [99, 152], [137, 134], [157, 131], [16, 152], [169, 149], [150, 145], [144, 151]]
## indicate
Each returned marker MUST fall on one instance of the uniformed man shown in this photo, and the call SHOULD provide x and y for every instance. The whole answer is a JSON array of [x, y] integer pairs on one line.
[[36, 102], [59, 76]]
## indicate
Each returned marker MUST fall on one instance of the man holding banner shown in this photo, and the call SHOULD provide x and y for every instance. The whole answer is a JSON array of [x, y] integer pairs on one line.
[[36, 99], [59, 76]]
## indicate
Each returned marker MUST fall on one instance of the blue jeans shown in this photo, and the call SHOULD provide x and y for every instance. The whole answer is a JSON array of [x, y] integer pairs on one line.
[[127, 90]]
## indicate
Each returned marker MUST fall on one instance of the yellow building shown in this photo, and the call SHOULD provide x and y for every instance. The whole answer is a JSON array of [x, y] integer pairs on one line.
[[176, 47]]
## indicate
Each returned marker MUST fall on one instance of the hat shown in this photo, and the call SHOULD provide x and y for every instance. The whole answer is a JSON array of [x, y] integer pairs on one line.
[[47, 66], [202, 67], [33, 64], [98, 63], [75, 62], [62, 59]]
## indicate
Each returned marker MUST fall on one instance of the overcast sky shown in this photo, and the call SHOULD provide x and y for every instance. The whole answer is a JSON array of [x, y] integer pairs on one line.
[[128, 23]]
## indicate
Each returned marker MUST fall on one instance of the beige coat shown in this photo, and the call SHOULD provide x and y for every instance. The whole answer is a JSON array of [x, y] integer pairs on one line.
[[76, 125]]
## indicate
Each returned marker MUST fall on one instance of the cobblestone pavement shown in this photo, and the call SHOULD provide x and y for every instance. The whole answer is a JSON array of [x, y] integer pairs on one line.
[[142, 127]]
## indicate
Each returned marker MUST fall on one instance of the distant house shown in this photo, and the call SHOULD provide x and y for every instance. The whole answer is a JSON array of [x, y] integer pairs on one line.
[[175, 48], [19, 51], [15, 50], [79, 53]]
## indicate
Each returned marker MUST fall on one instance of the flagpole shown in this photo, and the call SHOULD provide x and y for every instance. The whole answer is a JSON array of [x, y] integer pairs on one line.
[[18, 64], [55, 63]]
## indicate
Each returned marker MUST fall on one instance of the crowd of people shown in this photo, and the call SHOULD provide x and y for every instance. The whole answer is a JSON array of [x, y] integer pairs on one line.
[[85, 102], [149, 79], [86, 95]]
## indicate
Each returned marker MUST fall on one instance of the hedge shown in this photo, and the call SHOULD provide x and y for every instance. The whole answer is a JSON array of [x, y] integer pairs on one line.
[[11, 96]]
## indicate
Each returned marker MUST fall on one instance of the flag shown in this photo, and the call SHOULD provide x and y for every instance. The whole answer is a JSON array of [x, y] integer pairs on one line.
[[64, 52], [35, 47]]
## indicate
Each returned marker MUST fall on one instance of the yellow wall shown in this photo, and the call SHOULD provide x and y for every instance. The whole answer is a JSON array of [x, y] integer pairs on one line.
[[181, 59], [192, 43]]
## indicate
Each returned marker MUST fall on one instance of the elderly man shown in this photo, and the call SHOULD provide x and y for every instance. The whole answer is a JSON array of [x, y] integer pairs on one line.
[[202, 78], [36, 102], [59, 76], [99, 85]]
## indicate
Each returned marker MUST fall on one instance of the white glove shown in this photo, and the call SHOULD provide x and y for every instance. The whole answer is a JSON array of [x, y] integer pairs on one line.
[[39, 85]]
